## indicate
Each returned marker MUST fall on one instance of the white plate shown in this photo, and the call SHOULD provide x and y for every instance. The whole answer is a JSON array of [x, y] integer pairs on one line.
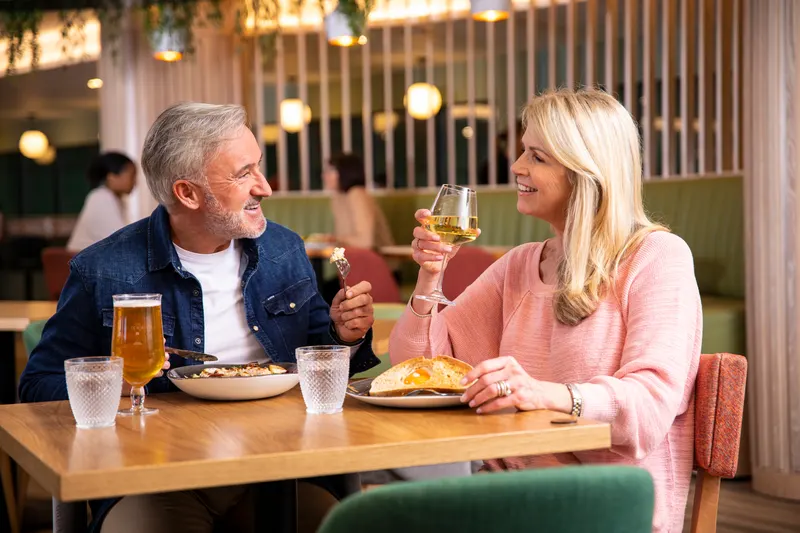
[[235, 388], [359, 390]]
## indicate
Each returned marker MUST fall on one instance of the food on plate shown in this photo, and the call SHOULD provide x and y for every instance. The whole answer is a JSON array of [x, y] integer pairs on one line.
[[240, 371], [440, 373], [337, 255]]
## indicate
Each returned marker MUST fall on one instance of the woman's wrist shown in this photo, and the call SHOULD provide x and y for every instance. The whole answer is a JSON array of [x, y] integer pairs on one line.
[[559, 398]]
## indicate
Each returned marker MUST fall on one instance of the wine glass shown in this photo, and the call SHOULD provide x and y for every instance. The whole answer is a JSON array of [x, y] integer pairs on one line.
[[138, 339], [454, 218]]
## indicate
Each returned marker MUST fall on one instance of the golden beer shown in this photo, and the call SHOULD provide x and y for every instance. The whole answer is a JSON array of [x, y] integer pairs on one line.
[[138, 338]]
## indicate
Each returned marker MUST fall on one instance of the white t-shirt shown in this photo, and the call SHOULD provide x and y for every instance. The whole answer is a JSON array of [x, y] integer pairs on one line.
[[227, 334], [102, 214]]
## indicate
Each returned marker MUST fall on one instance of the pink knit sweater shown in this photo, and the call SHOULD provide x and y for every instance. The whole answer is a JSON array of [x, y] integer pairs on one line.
[[634, 359]]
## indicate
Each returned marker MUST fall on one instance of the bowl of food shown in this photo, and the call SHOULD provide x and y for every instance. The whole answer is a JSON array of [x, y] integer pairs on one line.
[[252, 381]]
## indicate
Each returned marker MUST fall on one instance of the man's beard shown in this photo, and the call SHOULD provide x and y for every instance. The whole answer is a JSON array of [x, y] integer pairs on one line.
[[228, 224]]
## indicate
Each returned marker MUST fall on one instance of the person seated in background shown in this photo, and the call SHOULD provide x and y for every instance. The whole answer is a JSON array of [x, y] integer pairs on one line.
[[233, 285], [358, 220], [603, 320], [112, 176]]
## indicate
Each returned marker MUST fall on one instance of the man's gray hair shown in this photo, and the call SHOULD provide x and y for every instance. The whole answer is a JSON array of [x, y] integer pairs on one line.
[[182, 140]]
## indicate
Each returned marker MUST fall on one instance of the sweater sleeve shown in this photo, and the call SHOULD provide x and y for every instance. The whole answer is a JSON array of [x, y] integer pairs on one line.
[[470, 330], [659, 360]]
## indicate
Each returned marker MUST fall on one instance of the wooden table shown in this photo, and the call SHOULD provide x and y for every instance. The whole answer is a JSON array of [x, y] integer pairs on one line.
[[193, 444], [15, 316]]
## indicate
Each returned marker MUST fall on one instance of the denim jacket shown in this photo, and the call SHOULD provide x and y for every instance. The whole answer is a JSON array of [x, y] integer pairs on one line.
[[282, 304]]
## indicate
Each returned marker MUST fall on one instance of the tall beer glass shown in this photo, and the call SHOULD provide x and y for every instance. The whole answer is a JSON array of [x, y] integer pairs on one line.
[[138, 339]]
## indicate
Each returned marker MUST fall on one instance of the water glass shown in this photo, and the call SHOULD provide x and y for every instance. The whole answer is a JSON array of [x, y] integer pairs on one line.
[[94, 386], [324, 371]]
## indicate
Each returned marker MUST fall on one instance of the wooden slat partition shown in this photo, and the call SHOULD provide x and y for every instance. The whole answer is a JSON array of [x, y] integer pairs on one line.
[[280, 94], [676, 65]]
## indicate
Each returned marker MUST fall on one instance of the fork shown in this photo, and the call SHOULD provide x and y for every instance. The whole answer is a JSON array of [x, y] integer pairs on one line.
[[343, 266]]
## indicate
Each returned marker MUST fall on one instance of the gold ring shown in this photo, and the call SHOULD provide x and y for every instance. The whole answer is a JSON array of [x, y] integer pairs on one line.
[[503, 388]]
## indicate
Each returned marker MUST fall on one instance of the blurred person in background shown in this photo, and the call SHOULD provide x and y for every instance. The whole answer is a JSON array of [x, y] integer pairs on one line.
[[112, 176], [358, 220]]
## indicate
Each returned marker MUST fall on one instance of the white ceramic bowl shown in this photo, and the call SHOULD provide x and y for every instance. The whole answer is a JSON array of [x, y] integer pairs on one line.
[[235, 388]]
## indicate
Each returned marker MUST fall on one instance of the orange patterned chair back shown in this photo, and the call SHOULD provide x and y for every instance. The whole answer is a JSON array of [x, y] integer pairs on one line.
[[719, 409]]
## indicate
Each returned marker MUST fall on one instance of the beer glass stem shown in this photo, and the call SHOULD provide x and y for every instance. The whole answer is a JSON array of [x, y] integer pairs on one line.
[[137, 399]]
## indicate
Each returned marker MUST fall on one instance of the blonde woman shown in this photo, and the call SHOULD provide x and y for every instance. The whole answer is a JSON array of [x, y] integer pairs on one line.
[[602, 321]]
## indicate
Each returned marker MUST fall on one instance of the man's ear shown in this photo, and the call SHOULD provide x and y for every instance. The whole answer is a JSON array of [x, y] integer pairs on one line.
[[188, 194]]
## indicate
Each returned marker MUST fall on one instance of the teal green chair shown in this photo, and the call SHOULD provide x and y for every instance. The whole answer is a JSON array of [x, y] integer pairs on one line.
[[579, 499], [32, 334]]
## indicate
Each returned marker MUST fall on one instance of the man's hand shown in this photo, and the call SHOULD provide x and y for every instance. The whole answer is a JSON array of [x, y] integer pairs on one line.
[[351, 312]]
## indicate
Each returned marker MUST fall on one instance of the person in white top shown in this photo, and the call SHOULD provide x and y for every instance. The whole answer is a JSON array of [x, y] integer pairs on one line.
[[112, 176]]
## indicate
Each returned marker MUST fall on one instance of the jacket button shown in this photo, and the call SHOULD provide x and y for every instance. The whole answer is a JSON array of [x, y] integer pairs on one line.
[[255, 328], [292, 305], [198, 340], [196, 292]]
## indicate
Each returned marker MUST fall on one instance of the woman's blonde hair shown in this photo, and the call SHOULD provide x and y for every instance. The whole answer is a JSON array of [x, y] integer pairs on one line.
[[596, 139]]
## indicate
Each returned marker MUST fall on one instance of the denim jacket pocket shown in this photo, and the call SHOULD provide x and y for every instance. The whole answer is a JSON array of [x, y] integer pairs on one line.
[[291, 299], [287, 314], [167, 322]]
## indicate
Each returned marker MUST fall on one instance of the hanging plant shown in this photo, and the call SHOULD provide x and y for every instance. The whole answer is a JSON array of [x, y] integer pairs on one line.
[[21, 28], [20, 21], [357, 12]]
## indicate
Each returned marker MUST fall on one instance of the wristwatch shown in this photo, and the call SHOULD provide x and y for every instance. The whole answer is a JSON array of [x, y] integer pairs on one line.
[[577, 399], [343, 343]]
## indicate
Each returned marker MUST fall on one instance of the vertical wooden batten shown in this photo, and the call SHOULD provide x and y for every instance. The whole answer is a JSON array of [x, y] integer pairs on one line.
[[280, 86], [324, 99], [387, 105], [688, 139], [471, 143], [649, 86], [490, 93], [408, 62], [366, 114], [668, 107], [347, 130], [305, 172], [451, 95]]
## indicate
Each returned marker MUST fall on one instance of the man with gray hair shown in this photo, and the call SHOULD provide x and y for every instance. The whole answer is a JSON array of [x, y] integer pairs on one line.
[[232, 285]]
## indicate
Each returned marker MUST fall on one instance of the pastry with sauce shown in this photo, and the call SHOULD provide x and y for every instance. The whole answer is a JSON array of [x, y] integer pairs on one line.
[[441, 374]]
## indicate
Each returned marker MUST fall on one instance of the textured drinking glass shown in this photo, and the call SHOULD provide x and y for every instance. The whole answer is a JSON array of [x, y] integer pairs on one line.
[[94, 386], [454, 218], [138, 338], [323, 377]]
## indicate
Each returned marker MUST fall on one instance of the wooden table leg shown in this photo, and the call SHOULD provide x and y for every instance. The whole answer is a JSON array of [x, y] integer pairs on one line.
[[10, 504]]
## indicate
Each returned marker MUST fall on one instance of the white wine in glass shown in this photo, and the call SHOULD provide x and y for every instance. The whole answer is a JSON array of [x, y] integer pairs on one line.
[[454, 218]]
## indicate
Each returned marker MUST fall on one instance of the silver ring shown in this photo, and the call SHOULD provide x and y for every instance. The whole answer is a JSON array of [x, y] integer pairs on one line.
[[503, 388]]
